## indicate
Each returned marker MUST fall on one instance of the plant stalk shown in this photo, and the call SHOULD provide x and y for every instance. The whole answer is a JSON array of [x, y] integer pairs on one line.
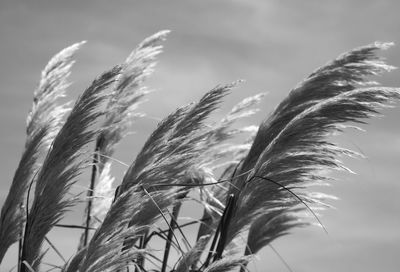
[[175, 212], [90, 195]]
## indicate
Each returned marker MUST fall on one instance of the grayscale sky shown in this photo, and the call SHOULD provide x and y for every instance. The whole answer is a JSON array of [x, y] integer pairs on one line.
[[272, 45]]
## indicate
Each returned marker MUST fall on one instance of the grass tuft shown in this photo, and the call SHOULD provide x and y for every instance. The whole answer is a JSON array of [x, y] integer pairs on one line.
[[258, 186]]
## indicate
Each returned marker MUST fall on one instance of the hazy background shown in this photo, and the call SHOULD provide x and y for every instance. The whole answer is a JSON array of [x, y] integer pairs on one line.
[[271, 44]]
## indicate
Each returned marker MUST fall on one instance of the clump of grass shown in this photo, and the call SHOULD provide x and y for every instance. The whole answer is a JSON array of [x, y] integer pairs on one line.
[[258, 189], [43, 123]]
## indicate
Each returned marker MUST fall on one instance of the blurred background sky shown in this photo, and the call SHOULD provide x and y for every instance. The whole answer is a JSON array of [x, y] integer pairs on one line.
[[272, 45]]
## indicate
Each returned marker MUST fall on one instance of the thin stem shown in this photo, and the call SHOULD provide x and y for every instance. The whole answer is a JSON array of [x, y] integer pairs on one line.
[[281, 258], [72, 227], [55, 249], [90, 193], [213, 243], [175, 213], [20, 239], [177, 226], [225, 220]]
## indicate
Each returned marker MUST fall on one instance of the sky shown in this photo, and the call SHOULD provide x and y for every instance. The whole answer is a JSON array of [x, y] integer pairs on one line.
[[272, 45]]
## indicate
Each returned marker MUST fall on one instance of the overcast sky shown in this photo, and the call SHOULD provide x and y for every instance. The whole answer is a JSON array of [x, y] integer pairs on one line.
[[272, 45]]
